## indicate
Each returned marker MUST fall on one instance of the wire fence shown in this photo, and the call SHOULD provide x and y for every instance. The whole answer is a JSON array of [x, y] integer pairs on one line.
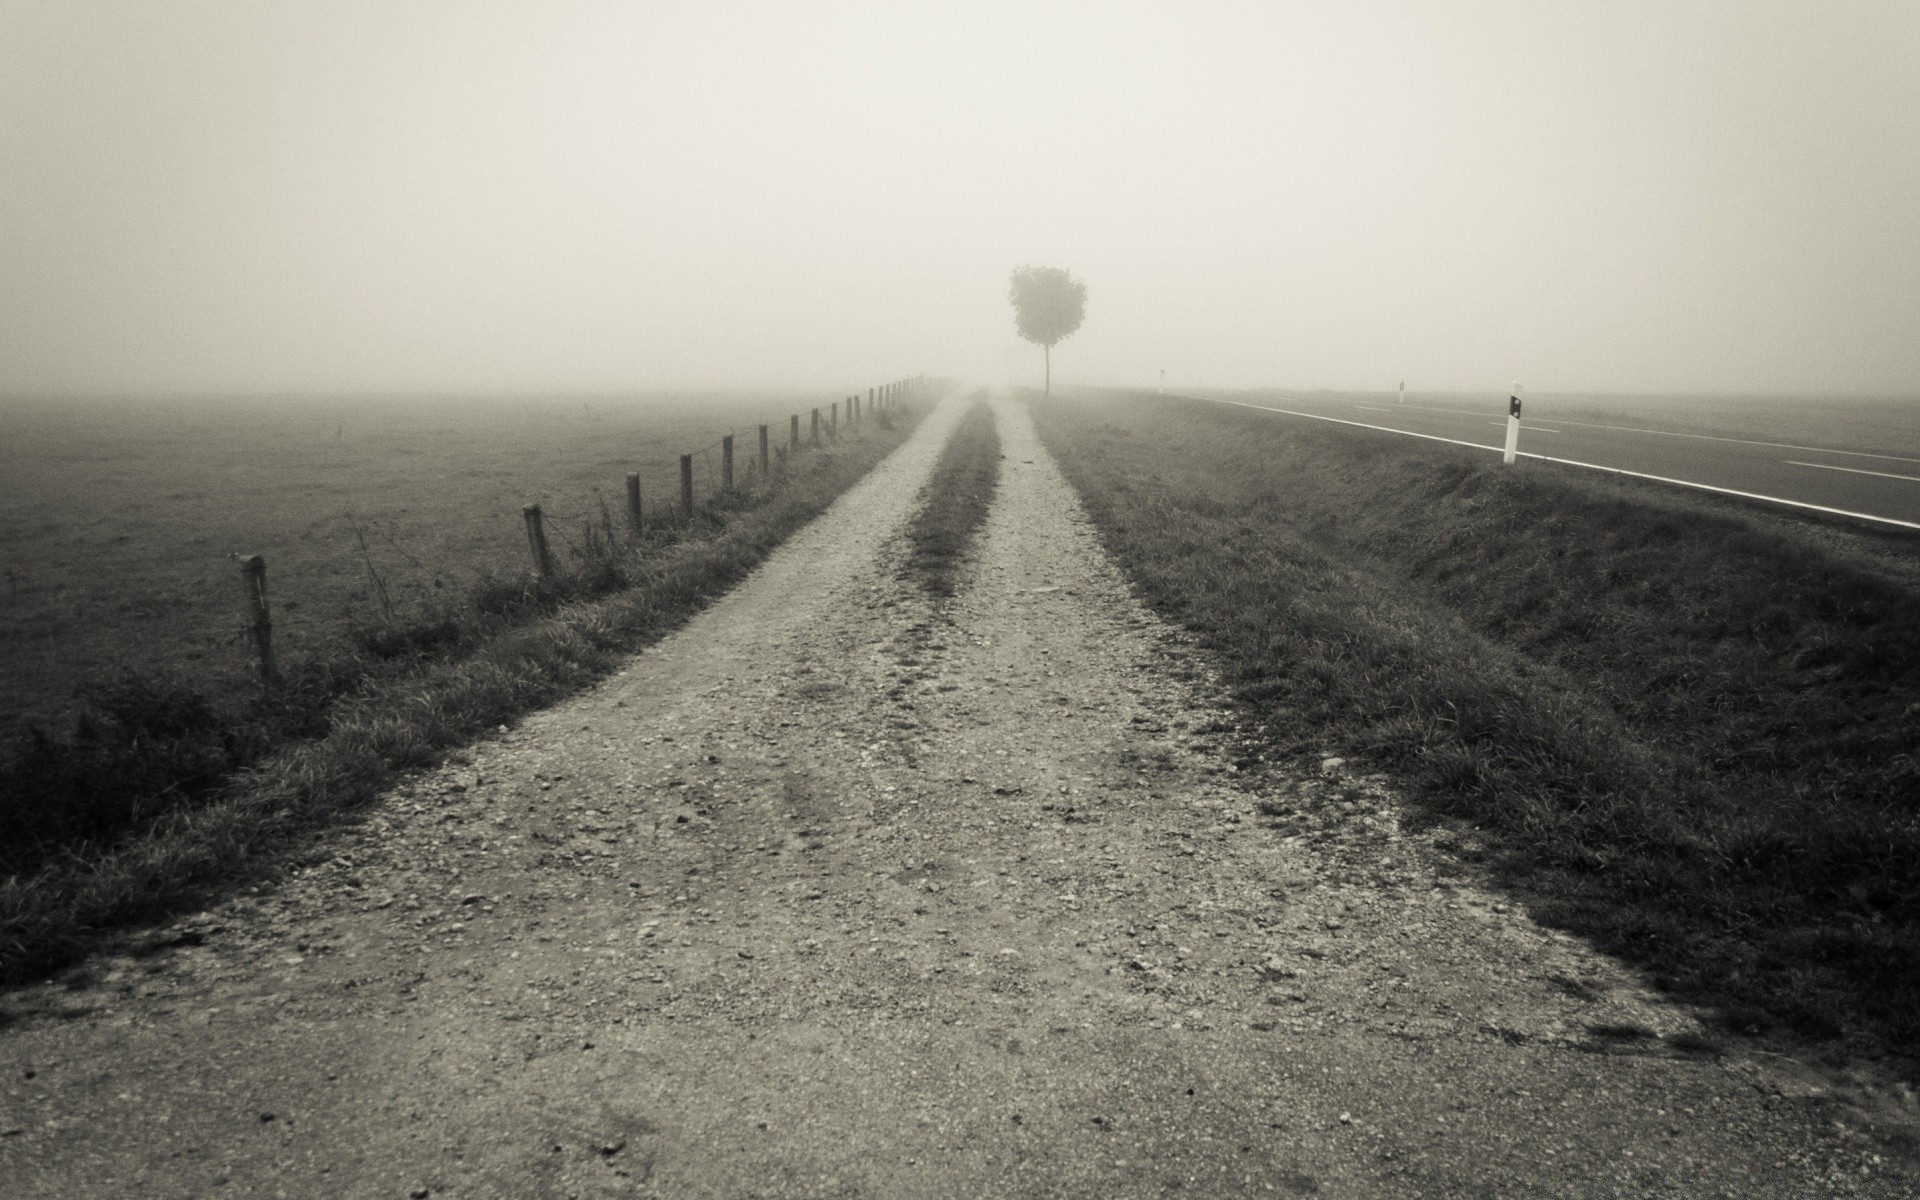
[[715, 478]]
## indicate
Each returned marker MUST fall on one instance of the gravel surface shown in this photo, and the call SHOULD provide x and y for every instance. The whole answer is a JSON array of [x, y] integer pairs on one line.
[[841, 893]]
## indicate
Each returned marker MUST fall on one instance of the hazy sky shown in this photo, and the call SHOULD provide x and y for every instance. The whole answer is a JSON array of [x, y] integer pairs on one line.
[[1611, 195]]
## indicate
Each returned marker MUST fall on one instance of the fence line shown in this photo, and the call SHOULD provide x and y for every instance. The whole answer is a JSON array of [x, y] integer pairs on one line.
[[534, 519]]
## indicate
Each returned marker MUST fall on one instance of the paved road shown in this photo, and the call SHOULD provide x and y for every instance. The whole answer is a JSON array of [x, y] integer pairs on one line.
[[844, 893], [1881, 488]]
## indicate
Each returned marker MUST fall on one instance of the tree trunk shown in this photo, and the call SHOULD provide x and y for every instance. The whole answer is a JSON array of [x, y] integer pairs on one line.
[[1049, 360]]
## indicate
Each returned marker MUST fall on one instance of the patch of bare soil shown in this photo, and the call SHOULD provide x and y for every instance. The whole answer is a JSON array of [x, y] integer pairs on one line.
[[843, 892]]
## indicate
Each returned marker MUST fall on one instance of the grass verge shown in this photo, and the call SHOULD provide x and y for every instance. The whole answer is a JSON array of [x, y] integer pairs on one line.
[[1689, 729], [955, 501], [185, 799]]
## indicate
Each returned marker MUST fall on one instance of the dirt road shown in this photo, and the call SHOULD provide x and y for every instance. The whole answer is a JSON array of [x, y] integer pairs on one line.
[[834, 894]]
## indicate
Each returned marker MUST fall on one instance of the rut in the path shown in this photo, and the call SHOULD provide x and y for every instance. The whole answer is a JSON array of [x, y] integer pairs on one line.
[[845, 892]]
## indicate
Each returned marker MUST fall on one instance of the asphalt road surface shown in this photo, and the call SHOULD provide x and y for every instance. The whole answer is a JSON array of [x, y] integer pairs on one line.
[[1882, 489]]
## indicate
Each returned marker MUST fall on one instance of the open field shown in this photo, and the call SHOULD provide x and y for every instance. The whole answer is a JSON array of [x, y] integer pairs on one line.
[[1684, 725], [119, 519]]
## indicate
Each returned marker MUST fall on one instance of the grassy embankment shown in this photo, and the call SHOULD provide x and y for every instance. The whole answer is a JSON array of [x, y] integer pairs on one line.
[[164, 794], [1688, 728], [954, 503]]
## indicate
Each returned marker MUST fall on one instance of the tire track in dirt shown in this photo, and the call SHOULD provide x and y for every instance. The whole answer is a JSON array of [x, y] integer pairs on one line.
[[839, 892]]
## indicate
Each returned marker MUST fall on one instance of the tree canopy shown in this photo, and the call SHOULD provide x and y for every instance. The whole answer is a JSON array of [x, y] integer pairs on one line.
[[1048, 304]]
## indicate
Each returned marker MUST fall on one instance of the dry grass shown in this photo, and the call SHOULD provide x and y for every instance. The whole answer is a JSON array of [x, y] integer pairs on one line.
[[1689, 726]]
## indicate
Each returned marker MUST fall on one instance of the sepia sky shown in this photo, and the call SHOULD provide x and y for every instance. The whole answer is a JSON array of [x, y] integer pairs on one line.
[[1625, 195]]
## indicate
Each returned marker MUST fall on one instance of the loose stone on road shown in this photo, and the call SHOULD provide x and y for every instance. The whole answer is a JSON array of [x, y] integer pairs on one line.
[[838, 892]]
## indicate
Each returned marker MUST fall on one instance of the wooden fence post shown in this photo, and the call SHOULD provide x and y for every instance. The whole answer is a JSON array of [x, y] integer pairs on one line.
[[869, 395], [814, 430], [633, 498], [253, 584], [833, 422], [793, 433], [853, 408], [537, 540], [686, 485], [764, 465], [726, 463]]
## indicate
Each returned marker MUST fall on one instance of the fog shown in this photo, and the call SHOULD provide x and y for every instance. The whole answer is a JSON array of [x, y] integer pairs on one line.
[[1606, 196]]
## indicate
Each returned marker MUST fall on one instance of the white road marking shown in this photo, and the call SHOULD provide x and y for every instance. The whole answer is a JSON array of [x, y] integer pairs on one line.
[[1704, 437], [1852, 470], [1705, 487], [1525, 428], [1373, 408]]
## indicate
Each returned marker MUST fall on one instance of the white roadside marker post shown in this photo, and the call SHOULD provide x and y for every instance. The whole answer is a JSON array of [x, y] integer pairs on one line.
[[1513, 426]]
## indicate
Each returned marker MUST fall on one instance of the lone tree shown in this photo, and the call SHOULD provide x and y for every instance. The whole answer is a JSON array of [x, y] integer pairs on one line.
[[1048, 304]]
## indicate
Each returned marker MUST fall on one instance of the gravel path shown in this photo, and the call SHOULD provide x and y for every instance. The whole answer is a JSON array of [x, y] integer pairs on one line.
[[837, 894]]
